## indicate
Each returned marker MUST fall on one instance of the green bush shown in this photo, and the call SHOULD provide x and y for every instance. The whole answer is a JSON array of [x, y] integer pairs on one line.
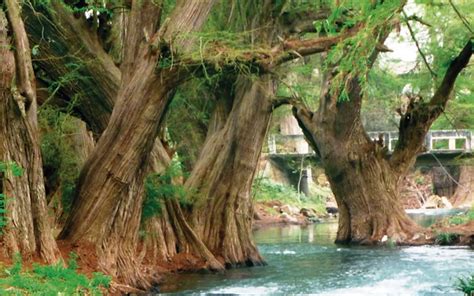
[[264, 189], [462, 219], [159, 187], [446, 238], [50, 280], [60, 160], [16, 171], [466, 285]]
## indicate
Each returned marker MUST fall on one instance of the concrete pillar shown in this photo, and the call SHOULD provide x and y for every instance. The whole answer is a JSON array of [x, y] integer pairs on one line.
[[452, 144], [304, 183]]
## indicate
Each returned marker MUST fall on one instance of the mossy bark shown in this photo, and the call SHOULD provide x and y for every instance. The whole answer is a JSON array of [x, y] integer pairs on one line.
[[28, 230], [221, 179]]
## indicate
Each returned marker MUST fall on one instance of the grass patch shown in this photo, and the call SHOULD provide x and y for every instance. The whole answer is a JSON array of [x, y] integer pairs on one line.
[[446, 238], [462, 219], [264, 189], [50, 280]]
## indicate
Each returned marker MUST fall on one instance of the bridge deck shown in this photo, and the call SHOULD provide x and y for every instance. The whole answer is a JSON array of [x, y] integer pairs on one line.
[[449, 142]]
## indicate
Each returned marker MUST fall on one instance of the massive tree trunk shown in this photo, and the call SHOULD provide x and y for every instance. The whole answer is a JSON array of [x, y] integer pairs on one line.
[[364, 184], [364, 178], [221, 179], [464, 195], [27, 229], [164, 237], [107, 209]]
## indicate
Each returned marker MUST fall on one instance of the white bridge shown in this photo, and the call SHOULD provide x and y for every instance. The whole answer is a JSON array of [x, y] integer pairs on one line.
[[437, 142]]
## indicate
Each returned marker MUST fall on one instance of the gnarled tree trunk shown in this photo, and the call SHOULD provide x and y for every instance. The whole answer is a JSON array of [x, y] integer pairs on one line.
[[27, 229], [364, 184], [221, 179], [363, 176], [107, 209]]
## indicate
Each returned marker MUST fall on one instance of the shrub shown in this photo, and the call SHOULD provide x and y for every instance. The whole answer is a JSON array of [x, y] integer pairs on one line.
[[462, 218], [466, 285], [159, 187], [60, 160], [264, 189], [446, 238]]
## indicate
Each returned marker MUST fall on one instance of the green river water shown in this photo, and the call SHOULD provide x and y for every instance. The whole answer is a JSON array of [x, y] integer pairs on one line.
[[304, 260]]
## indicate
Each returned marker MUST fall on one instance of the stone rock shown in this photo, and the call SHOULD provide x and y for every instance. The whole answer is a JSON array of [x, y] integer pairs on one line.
[[291, 210], [288, 219], [322, 180], [332, 210], [432, 202], [256, 215], [309, 213], [445, 203]]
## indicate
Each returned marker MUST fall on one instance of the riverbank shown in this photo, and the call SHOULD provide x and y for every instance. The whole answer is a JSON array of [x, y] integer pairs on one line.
[[305, 260], [457, 230]]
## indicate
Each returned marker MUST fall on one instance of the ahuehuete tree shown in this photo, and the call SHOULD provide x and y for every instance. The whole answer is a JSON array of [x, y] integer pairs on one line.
[[220, 181], [27, 230], [363, 175], [135, 144], [83, 75], [107, 208]]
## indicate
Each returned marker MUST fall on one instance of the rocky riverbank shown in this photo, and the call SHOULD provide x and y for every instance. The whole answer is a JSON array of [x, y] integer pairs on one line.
[[276, 213]]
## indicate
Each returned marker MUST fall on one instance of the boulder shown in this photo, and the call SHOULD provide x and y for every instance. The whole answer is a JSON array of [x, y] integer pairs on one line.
[[289, 209], [322, 180], [432, 202], [445, 203], [332, 210], [309, 213], [288, 219]]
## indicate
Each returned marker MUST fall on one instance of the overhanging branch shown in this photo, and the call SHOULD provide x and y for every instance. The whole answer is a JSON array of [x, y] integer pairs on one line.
[[416, 122], [441, 95]]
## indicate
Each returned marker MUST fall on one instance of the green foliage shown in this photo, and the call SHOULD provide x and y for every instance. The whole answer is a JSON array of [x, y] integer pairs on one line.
[[446, 238], [466, 285], [264, 189], [60, 159], [352, 55], [50, 280], [16, 171], [188, 119], [462, 219], [160, 187]]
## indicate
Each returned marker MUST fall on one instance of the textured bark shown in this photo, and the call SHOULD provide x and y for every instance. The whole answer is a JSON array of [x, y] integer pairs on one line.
[[72, 61], [221, 179], [28, 229], [464, 195], [363, 177], [101, 87], [107, 209], [170, 233], [363, 182]]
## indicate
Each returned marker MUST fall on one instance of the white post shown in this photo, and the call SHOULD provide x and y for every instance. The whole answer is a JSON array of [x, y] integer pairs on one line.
[[271, 145], [452, 144], [469, 142]]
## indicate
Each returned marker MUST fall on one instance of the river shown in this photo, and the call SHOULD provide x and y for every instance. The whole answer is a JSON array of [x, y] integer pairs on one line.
[[304, 260]]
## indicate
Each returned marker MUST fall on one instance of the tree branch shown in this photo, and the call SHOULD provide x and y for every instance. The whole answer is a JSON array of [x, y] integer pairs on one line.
[[412, 34], [303, 22], [24, 66], [463, 19], [441, 95], [416, 122]]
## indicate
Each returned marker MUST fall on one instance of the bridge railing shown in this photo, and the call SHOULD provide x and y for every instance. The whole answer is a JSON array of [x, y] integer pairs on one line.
[[439, 141]]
